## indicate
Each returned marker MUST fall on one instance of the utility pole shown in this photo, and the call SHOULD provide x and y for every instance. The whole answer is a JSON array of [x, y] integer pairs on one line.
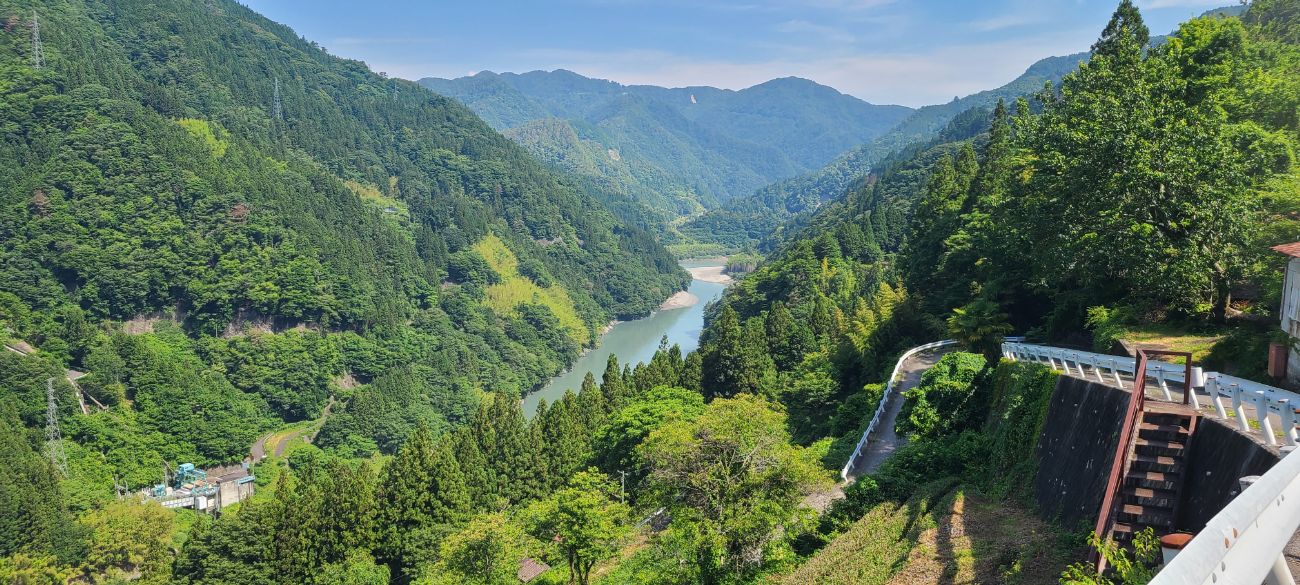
[[622, 486], [277, 111], [54, 438], [38, 55]]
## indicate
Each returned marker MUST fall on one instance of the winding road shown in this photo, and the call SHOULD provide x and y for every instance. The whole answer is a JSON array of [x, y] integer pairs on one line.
[[883, 440]]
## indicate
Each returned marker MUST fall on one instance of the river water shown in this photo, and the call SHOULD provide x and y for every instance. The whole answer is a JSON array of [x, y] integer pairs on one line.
[[636, 341]]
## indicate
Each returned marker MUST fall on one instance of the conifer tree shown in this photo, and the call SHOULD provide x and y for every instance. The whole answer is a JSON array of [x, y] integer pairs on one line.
[[422, 486], [612, 385], [32, 514], [478, 475], [787, 339], [513, 455], [736, 361], [1124, 34]]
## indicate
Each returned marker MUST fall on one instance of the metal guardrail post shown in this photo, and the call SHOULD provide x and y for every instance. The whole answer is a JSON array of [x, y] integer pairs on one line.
[[1239, 407]]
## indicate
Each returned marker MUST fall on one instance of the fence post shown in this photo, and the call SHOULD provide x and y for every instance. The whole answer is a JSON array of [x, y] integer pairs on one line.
[[1164, 386], [1212, 387], [1261, 413], [1287, 415], [1239, 407]]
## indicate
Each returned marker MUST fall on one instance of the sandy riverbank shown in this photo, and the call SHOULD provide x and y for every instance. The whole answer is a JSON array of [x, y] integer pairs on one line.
[[680, 300], [710, 274]]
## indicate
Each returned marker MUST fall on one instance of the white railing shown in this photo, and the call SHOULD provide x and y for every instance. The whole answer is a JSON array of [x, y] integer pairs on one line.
[[890, 384], [1243, 543], [1264, 398], [1110, 369]]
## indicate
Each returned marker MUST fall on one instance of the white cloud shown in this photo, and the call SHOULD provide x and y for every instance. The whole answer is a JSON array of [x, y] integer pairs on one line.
[[1158, 4], [1003, 22], [911, 78]]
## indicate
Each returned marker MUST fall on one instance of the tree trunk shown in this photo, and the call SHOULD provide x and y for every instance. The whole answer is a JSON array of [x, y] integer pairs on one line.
[[1222, 297]]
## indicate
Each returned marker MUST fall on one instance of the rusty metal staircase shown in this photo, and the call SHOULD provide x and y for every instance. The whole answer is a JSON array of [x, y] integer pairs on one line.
[[1146, 477]]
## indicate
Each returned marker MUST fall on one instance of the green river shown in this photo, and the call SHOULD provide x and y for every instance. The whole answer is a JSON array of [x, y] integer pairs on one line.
[[636, 341]]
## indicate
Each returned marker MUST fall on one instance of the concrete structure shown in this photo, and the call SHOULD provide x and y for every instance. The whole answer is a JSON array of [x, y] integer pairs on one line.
[[1290, 311], [1239, 487]]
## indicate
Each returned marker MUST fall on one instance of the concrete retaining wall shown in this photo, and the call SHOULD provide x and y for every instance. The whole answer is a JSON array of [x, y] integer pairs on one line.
[[1075, 450], [1220, 455], [1078, 442]]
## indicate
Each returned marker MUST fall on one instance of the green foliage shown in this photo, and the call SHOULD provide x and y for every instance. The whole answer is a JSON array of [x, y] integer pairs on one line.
[[980, 326], [732, 477], [662, 153], [486, 552], [217, 270], [618, 440], [129, 537], [34, 519], [586, 522], [931, 408], [359, 568], [422, 488], [1127, 567]]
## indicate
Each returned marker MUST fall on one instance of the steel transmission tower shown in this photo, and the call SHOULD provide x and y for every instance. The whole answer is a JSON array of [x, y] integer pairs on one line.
[[54, 438], [38, 55]]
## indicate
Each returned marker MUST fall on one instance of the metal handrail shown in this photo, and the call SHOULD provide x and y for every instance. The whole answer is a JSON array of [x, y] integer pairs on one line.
[[1123, 449], [1218, 386]]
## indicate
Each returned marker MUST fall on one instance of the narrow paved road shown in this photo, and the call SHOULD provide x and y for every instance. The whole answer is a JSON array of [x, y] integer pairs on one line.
[[883, 440]]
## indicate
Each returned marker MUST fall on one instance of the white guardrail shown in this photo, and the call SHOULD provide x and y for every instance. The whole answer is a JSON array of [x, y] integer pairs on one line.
[[1243, 543], [892, 383], [1109, 368]]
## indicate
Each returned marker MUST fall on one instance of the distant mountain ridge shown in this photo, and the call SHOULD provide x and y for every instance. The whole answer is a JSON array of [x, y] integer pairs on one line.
[[676, 150], [745, 221]]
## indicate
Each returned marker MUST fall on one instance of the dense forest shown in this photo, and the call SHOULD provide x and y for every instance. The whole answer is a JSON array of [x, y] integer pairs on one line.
[[292, 235]]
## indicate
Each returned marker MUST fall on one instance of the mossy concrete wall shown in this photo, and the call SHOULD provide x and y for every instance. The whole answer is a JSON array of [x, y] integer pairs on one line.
[[1220, 456], [1078, 441], [1075, 449]]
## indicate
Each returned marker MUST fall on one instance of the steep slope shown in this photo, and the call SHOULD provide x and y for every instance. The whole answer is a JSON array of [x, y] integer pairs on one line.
[[275, 225], [698, 145]]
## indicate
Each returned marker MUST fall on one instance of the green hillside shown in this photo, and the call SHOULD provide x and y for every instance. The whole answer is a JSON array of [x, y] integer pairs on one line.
[[1066, 216], [748, 220], [674, 151], [223, 226]]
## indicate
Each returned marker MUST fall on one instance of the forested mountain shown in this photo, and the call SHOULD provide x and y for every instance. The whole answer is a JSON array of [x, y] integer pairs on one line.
[[223, 227], [675, 150], [748, 220]]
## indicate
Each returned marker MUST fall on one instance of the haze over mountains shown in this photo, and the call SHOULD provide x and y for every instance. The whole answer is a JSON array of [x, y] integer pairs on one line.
[[709, 165], [678, 150]]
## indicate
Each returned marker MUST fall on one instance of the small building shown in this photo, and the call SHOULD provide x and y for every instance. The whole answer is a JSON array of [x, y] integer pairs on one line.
[[1290, 310], [530, 569]]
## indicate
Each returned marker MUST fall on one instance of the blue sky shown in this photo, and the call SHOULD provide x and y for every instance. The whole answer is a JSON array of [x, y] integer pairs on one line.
[[911, 52]]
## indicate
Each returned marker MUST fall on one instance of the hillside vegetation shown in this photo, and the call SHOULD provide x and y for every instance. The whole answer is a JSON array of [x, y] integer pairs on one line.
[[223, 227], [665, 153], [1143, 190]]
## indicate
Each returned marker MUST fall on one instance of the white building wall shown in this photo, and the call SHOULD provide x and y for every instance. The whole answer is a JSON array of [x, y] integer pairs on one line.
[[1290, 317]]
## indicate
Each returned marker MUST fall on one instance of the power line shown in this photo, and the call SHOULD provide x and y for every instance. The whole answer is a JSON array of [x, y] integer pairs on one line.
[[38, 55], [54, 438]]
